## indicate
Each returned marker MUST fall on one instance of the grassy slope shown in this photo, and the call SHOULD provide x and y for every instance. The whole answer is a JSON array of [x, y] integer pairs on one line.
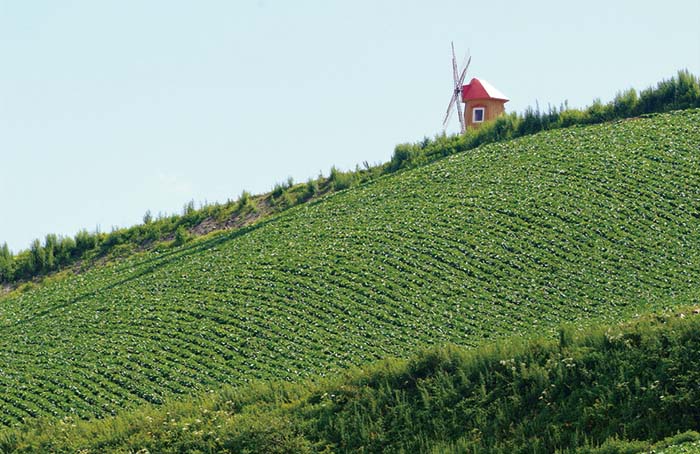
[[622, 387], [578, 225]]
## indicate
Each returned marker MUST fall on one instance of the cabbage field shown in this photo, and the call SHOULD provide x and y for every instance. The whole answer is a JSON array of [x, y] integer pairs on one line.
[[578, 225]]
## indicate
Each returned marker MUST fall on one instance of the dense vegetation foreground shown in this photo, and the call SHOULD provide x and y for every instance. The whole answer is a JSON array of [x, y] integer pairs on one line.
[[620, 389], [581, 225]]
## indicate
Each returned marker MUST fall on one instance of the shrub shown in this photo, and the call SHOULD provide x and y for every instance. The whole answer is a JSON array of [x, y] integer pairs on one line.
[[402, 157], [65, 251], [684, 437], [278, 190], [310, 190], [188, 208], [6, 264], [85, 241], [625, 104], [38, 257], [341, 180], [150, 232], [245, 202], [617, 446], [182, 236]]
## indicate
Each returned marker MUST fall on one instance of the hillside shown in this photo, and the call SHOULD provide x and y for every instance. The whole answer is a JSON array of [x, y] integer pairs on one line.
[[579, 225], [607, 390], [86, 249]]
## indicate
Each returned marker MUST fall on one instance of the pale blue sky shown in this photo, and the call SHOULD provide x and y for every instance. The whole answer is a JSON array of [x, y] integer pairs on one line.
[[111, 108]]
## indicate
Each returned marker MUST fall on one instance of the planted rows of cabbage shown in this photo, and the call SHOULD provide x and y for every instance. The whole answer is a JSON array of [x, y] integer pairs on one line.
[[572, 225]]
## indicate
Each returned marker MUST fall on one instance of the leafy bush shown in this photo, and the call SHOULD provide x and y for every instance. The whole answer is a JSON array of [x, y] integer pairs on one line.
[[341, 180], [6, 263], [310, 190], [85, 241], [181, 236], [246, 203]]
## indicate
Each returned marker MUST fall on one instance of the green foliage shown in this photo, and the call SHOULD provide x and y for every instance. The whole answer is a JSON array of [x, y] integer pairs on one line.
[[681, 92], [188, 208], [182, 236], [85, 241], [147, 217], [310, 190], [613, 390], [580, 225], [620, 446], [246, 203], [340, 180], [150, 231], [685, 448], [6, 263], [404, 154], [278, 190], [121, 250], [281, 188], [688, 447], [625, 104], [37, 256], [285, 195]]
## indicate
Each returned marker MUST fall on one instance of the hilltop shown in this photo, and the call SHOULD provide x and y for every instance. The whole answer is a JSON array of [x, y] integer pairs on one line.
[[86, 250], [578, 225]]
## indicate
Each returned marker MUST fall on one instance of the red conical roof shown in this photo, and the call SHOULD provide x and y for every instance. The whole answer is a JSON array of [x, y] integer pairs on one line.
[[480, 89]]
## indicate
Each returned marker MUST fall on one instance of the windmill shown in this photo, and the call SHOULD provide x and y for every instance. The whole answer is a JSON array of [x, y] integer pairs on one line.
[[457, 93]]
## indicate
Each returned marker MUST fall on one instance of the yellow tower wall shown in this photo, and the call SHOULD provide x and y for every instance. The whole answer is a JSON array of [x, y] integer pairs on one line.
[[493, 108]]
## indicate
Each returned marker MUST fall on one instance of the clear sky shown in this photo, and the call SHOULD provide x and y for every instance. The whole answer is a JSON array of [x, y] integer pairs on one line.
[[112, 108]]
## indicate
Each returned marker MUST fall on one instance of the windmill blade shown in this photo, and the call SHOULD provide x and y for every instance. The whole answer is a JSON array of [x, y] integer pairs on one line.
[[463, 127], [467, 59], [458, 79], [449, 111], [464, 73], [455, 73], [447, 120]]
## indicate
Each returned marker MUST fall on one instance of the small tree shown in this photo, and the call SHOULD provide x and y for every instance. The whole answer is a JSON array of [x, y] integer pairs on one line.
[[50, 246], [341, 180], [188, 208], [182, 236], [84, 241], [311, 189], [625, 104], [38, 258], [65, 250], [245, 202], [6, 264]]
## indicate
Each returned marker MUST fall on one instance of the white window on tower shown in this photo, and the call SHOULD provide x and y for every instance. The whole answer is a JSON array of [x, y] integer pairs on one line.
[[478, 114]]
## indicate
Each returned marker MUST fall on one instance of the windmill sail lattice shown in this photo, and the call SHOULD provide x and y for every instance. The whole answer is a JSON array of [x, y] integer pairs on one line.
[[456, 99]]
